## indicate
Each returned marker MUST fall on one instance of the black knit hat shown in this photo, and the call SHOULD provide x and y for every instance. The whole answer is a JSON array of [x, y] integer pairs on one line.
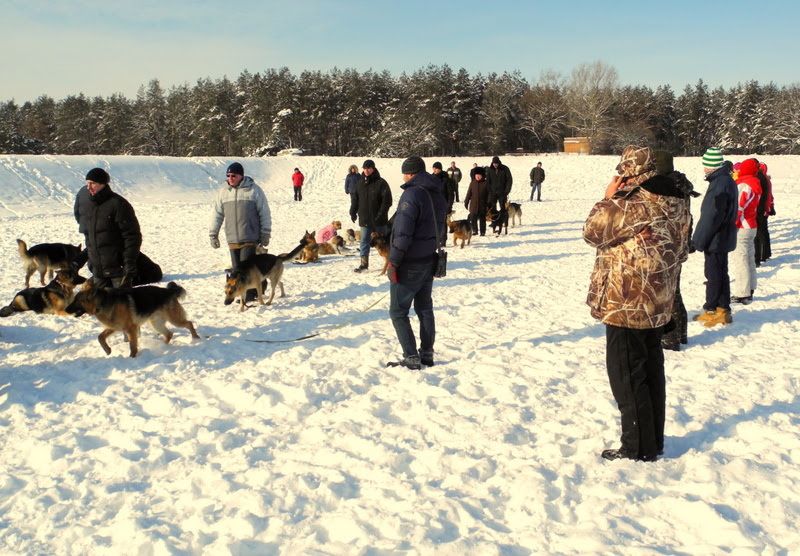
[[413, 165], [479, 170], [495, 159], [437, 164], [368, 163], [235, 168], [98, 175]]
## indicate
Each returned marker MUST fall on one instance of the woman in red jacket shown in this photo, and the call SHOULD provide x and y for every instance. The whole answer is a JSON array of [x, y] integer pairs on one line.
[[743, 258], [297, 181]]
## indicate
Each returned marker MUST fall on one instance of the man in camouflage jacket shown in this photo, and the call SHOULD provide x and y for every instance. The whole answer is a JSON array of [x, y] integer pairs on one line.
[[638, 230]]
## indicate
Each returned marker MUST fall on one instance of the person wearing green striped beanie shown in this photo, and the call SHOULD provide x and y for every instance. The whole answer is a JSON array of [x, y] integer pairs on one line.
[[712, 159]]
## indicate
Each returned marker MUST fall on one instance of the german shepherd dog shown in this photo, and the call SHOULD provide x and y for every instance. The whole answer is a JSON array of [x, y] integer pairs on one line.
[[126, 309], [352, 236], [310, 249], [255, 271], [333, 246], [380, 243], [461, 229], [46, 257], [51, 299], [514, 212], [497, 220]]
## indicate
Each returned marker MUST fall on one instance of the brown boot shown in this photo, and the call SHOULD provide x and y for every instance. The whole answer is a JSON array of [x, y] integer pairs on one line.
[[720, 316], [704, 316]]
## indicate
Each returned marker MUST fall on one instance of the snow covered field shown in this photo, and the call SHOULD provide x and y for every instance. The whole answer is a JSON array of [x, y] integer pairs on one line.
[[227, 446]]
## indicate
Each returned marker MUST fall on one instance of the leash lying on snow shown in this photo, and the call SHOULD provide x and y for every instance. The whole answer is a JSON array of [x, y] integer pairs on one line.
[[320, 332]]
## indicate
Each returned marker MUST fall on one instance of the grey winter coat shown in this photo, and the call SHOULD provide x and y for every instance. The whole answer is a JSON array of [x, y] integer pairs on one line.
[[245, 211]]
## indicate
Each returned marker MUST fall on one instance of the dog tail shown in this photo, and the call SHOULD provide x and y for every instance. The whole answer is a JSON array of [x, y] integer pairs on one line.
[[23, 249], [180, 293], [292, 254]]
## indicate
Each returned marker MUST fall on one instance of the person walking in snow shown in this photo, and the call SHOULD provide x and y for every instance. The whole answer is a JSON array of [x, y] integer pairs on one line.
[[638, 230], [715, 237], [419, 223], [244, 209], [454, 173], [537, 177], [499, 180], [370, 203], [743, 258], [297, 183]]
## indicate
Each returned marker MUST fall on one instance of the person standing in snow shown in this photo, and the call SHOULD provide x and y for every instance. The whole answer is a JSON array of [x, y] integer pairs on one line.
[[744, 258], [244, 209], [419, 223], [498, 180], [537, 177], [448, 186], [638, 230], [370, 203], [454, 173], [352, 180], [476, 202], [766, 208], [297, 183]]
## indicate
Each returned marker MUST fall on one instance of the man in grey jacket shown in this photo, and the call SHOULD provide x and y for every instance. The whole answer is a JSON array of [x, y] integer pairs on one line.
[[243, 206]]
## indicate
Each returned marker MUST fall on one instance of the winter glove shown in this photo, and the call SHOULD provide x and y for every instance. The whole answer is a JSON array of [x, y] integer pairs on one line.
[[264, 241], [215, 242], [391, 272], [771, 211]]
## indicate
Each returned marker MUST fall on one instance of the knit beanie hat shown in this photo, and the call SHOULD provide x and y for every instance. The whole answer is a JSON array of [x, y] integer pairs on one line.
[[368, 164], [712, 158], [636, 161], [479, 170], [98, 175], [437, 164], [235, 168], [496, 159], [413, 165]]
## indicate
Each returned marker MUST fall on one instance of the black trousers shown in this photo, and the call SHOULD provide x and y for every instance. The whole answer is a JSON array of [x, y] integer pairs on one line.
[[680, 331], [718, 282], [298, 193], [763, 247], [635, 365], [240, 255], [478, 221]]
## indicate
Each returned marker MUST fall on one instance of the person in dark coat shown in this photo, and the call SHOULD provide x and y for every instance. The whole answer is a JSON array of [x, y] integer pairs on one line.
[[448, 186], [537, 177], [476, 201], [419, 225], [677, 331], [352, 180], [111, 229], [715, 236], [370, 204], [454, 173], [499, 180], [763, 249]]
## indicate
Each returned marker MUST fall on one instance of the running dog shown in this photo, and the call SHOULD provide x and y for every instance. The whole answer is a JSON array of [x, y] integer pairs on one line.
[[255, 271], [497, 220], [380, 243], [46, 257], [126, 309], [51, 299], [514, 212], [461, 229]]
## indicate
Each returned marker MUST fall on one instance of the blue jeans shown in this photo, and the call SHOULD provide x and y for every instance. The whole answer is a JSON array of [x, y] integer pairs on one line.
[[415, 284], [366, 231]]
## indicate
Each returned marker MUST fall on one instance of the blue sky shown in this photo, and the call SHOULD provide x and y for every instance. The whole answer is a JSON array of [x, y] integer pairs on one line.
[[105, 47]]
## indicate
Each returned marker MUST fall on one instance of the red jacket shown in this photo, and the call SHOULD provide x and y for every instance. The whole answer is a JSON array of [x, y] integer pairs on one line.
[[297, 179], [749, 194]]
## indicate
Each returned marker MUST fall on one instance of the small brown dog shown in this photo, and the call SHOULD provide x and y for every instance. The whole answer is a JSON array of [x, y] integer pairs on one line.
[[380, 243], [461, 229]]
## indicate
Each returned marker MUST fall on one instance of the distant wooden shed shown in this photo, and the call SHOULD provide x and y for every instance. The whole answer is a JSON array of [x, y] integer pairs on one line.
[[577, 145]]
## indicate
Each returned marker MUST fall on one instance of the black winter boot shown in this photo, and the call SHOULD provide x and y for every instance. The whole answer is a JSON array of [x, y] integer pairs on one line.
[[364, 264], [426, 358], [410, 361]]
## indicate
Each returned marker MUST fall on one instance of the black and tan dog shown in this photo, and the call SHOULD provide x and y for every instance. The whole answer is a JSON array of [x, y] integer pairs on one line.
[[497, 220], [255, 271], [51, 299], [310, 250], [514, 212], [461, 229], [126, 309], [380, 243], [46, 257], [333, 246]]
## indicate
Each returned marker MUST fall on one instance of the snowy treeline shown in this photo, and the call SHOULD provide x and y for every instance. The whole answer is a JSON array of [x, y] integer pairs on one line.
[[435, 110]]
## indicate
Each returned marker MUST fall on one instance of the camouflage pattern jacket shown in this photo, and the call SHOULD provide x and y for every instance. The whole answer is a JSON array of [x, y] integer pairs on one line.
[[640, 238]]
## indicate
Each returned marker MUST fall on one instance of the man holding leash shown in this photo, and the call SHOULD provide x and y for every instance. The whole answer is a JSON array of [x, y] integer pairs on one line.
[[244, 209], [418, 225]]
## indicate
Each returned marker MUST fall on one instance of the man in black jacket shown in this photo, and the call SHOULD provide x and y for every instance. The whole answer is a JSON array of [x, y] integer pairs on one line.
[[370, 204], [537, 177], [498, 180], [112, 233], [449, 187]]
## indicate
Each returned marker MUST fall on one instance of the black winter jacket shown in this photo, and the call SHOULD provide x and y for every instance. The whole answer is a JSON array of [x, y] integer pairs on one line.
[[371, 201], [112, 233], [414, 235], [716, 229], [499, 180], [448, 189], [537, 175]]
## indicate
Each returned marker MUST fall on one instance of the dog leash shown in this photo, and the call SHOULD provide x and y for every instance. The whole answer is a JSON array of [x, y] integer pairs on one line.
[[323, 330]]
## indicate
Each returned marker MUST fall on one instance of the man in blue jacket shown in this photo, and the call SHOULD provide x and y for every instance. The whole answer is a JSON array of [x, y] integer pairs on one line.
[[715, 236], [419, 227]]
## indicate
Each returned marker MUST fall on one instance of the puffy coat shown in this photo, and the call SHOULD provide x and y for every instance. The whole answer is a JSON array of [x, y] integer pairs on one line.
[[326, 234], [112, 233], [371, 201], [749, 194], [477, 197], [351, 182], [716, 230], [639, 239], [499, 180], [448, 189], [245, 211], [414, 234], [297, 179]]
